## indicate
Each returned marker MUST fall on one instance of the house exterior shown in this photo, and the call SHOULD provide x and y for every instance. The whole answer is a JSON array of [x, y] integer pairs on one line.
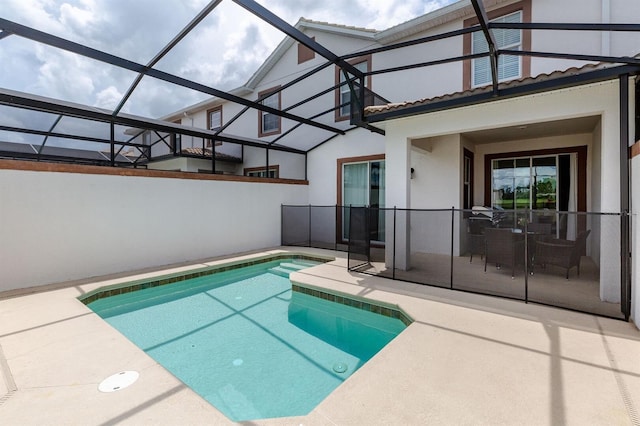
[[440, 151]]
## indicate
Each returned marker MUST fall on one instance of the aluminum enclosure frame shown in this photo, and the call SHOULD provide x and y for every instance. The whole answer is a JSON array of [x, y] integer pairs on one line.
[[356, 84]]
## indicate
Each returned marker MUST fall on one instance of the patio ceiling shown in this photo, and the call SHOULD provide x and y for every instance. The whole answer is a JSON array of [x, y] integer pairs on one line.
[[571, 126], [297, 139]]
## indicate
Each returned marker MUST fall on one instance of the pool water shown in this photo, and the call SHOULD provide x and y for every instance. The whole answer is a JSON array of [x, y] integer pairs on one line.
[[246, 343]]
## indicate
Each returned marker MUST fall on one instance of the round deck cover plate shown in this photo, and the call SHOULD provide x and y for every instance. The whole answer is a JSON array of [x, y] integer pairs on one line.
[[118, 381]]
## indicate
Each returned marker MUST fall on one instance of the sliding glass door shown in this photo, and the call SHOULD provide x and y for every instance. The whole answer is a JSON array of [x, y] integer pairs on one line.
[[363, 184], [525, 183], [546, 185]]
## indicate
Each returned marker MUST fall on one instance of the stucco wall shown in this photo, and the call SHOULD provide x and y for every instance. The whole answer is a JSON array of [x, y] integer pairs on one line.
[[291, 165], [322, 164], [64, 226], [436, 184], [193, 165]]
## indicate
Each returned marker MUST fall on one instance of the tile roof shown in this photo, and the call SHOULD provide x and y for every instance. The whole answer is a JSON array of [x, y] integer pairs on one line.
[[207, 153], [483, 89]]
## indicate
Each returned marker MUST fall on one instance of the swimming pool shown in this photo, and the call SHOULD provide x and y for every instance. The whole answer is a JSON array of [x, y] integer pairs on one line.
[[247, 343]]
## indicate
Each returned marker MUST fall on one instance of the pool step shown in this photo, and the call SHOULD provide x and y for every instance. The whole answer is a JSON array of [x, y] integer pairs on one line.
[[305, 263], [293, 266], [285, 268], [283, 272]]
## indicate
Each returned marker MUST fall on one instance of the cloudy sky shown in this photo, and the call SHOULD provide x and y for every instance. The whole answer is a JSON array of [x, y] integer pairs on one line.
[[222, 52]]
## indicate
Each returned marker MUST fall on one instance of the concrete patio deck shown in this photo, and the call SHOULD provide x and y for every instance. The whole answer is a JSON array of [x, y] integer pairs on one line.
[[467, 359]]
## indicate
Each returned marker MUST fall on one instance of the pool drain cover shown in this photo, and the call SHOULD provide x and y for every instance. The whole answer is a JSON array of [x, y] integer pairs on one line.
[[340, 367], [118, 381]]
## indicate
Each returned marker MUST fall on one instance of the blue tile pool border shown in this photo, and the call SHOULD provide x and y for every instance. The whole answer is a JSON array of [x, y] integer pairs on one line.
[[123, 288], [365, 305]]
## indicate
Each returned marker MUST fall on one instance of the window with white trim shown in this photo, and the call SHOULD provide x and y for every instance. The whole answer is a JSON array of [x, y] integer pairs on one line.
[[214, 122], [273, 172], [270, 123], [345, 92], [215, 118], [509, 66]]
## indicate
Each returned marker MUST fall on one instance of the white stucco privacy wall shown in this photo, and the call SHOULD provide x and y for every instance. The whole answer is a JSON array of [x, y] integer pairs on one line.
[[56, 227]]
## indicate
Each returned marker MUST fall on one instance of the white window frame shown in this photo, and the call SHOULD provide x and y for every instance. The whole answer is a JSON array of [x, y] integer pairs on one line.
[[273, 172], [513, 46], [531, 179], [345, 91], [210, 113], [272, 101], [218, 112]]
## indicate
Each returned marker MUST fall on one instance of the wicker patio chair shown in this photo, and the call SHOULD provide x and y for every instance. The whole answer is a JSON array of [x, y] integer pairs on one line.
[[563, 253], [476, 237], [504, 248], [537, 231]]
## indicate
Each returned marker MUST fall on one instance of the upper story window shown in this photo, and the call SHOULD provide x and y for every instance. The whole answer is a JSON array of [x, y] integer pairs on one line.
[[477, 72], [214, 121], [508, 66], [269, 124], [214, 118], [273, 172], [343, 94], [175, 139]]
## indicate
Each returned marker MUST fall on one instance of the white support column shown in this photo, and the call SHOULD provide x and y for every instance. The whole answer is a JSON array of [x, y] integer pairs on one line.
[[610, 202], [398, 194]]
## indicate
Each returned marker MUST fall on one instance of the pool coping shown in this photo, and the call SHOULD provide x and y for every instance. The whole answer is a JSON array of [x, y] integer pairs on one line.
[[368, 305], [174, 277]]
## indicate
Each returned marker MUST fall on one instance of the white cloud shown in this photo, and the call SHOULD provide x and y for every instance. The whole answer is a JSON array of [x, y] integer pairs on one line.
[[78, 18], [108, 98], [64, 75], [390, 13]]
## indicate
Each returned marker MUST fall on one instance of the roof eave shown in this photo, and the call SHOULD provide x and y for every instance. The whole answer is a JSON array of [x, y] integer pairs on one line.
[[207, 103], [353, 32], [546, 85]]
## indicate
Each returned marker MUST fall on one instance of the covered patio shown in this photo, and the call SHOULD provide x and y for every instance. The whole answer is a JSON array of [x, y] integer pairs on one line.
[[551, 166]]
